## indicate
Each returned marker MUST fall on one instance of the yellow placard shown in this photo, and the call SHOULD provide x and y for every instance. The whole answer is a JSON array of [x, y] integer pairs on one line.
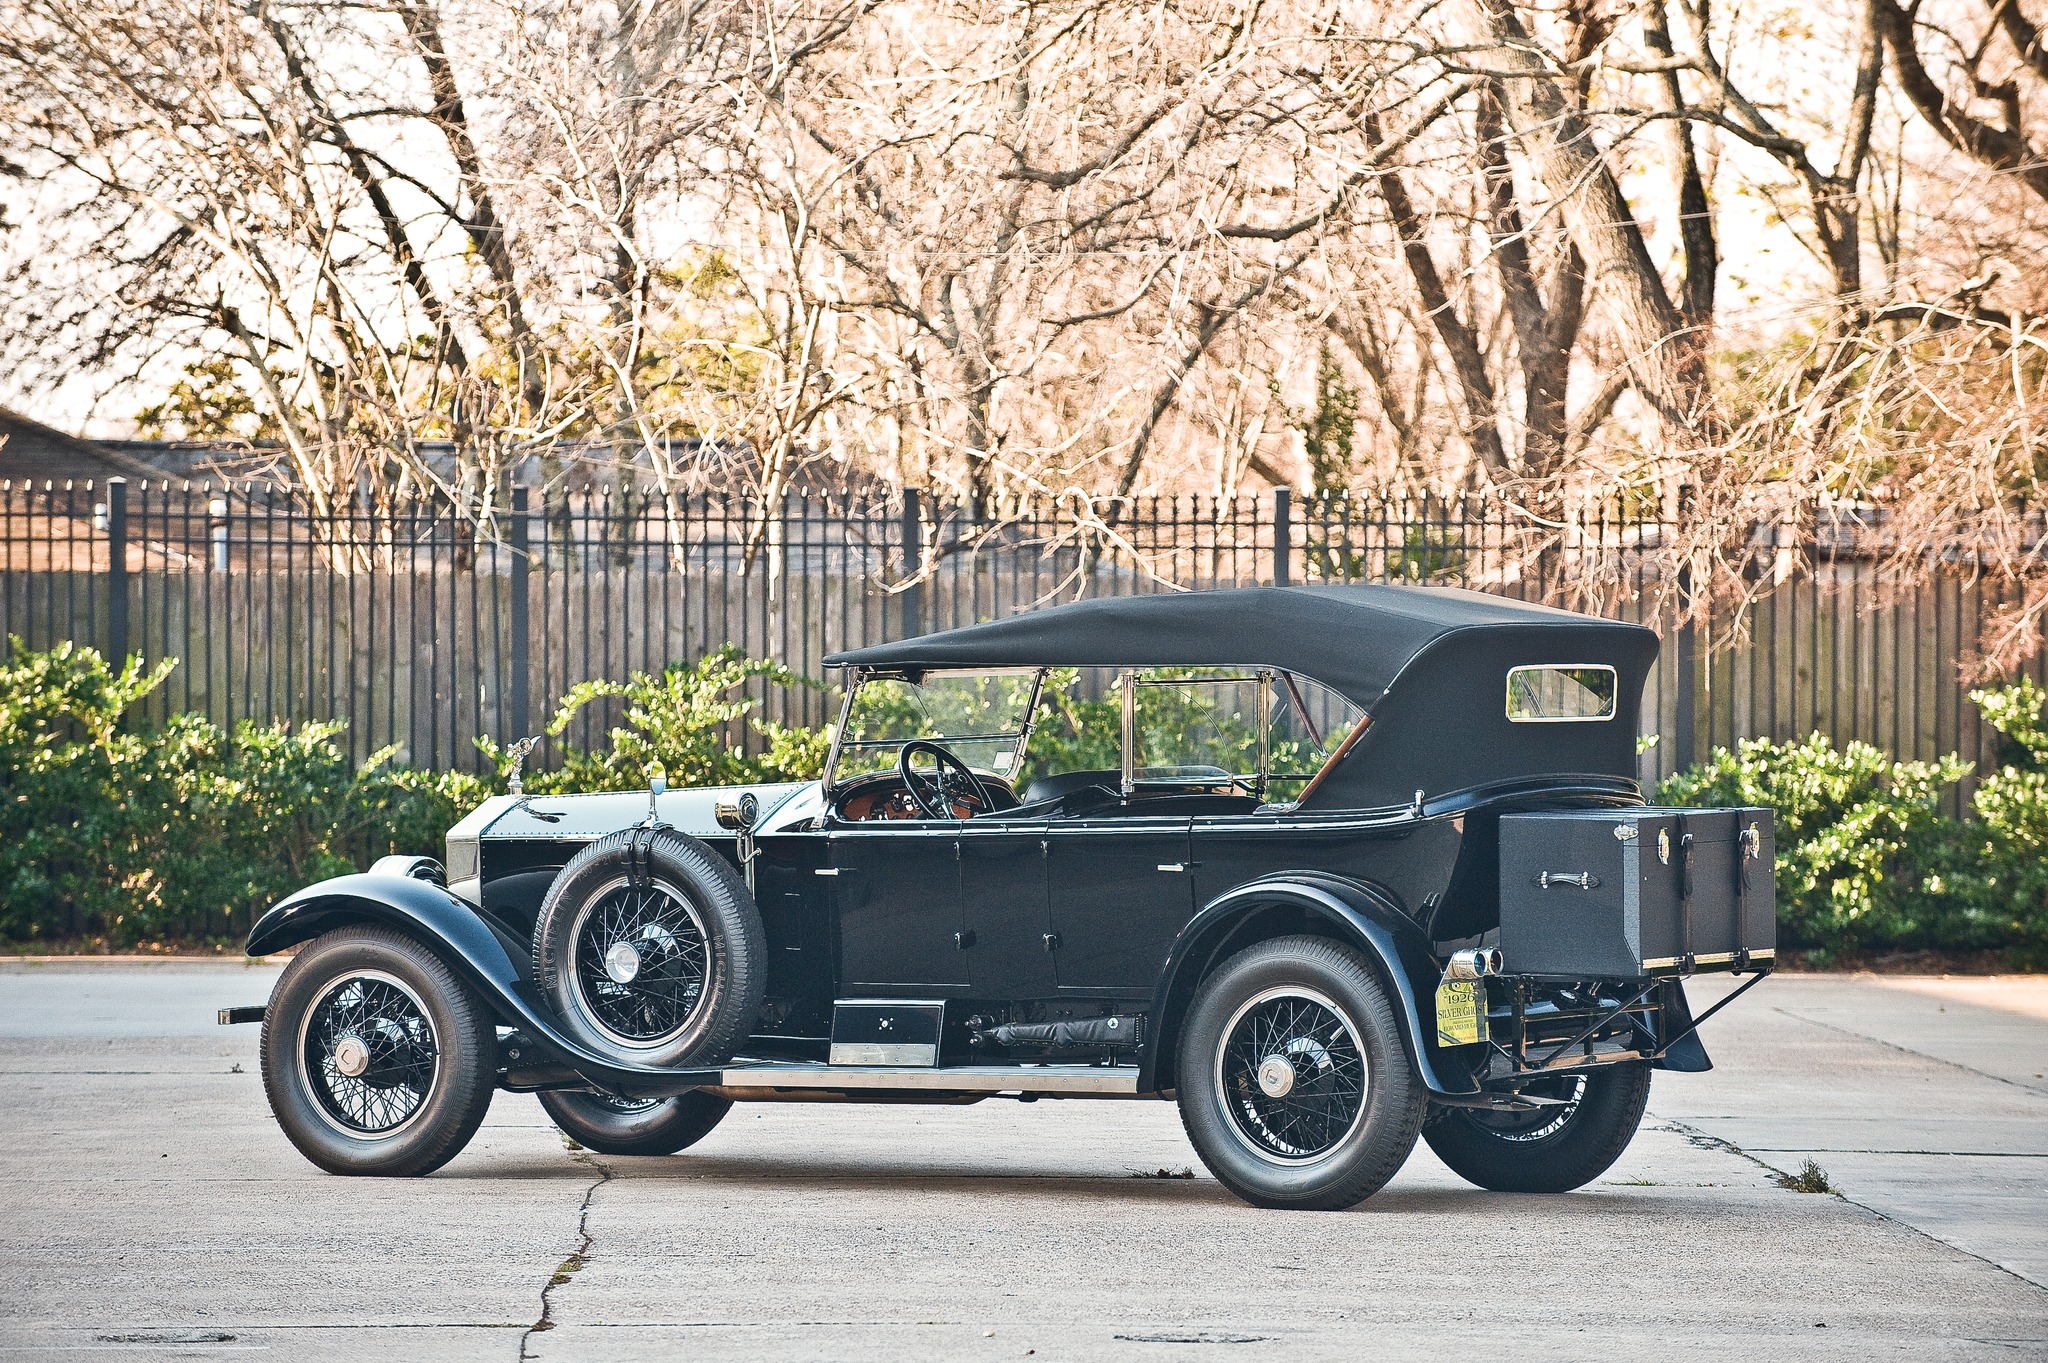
[[1460, 1013]]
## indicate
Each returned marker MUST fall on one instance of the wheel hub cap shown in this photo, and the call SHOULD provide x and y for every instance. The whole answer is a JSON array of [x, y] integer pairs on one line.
[[1276, 1076], [622, 963], [351, 1056]]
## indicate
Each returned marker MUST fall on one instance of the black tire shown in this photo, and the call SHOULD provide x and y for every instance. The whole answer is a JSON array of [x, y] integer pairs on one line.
[[376, 1058], [628, 1126], [1551, 1150], [687, 989], [1320, 1143]]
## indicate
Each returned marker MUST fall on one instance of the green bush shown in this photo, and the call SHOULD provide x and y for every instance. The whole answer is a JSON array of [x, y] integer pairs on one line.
[[133, 832], [1866, 860], [130, 832], [683, 720], [1999, 857]]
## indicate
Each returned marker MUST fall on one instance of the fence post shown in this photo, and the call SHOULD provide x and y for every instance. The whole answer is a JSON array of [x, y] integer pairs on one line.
[[1283, 533], [117, 572], [1682, 753], [913, 555], [521, 712]]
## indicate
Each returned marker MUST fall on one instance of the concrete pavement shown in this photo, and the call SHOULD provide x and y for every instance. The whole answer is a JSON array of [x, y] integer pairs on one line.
[[149, 1206]]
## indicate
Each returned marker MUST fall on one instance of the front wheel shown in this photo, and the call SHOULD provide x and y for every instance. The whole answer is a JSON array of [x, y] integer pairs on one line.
[[635, 1126], [1558, 1147], [1293, 1083], [376, 1059]]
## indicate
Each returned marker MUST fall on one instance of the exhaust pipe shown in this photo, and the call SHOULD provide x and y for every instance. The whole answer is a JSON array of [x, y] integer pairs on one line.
[[1475, 964]]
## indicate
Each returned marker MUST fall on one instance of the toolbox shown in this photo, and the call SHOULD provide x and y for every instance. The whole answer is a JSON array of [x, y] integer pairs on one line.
[[1634, 893]]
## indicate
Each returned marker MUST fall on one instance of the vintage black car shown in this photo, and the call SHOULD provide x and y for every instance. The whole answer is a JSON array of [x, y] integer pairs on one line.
[[1328, 866]]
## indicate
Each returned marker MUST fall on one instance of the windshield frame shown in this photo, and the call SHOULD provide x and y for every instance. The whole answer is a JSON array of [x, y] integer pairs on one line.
[[859, 677]]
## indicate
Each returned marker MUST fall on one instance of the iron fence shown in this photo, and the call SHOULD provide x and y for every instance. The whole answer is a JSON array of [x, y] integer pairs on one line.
[[425, 629]]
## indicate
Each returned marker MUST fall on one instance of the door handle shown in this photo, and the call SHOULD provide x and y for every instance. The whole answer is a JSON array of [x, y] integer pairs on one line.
[[1178, 866], [835, 871], [1052, 941]]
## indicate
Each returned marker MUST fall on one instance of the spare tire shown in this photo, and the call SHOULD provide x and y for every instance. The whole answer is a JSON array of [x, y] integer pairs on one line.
[[650, 950]]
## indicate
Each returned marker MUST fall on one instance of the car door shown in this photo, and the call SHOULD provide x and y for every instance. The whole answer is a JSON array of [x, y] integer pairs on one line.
[[1119, 890], [1003, 898], [896, 905]]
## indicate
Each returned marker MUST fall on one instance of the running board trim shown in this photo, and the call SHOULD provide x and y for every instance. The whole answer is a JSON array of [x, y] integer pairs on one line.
[[1118, 1081]]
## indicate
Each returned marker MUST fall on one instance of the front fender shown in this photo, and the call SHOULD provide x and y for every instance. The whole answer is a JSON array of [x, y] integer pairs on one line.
[[1361, 914], [487, 958]]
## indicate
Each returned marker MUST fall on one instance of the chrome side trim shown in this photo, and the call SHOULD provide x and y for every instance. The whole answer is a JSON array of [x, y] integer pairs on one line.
[[876, 1053], [1712, 958], [1109, 1081]]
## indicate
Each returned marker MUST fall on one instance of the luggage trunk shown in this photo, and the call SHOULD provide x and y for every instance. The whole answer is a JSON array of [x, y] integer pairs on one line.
[[1634, 893]]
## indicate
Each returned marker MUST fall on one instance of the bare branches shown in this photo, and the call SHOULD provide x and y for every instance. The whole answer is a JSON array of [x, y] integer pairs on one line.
[[2003, 147]]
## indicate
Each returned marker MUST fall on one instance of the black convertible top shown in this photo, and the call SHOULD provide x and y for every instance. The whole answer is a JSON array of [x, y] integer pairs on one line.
[[1429, 664], [1355, 639]]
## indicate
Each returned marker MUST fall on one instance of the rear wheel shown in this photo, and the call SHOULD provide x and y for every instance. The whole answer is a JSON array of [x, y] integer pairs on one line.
[[377, 1060], [1554, 1148], [1293, 1084], [635, 1126]]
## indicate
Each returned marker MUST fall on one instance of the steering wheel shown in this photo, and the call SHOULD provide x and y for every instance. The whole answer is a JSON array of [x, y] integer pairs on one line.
[[937, 794]]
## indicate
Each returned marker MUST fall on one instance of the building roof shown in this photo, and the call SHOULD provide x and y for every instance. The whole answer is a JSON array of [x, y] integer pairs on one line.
[[33, 452]]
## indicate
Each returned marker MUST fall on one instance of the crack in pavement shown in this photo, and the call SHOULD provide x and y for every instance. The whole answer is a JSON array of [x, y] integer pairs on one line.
[[1707, 1141], [580, 1256]]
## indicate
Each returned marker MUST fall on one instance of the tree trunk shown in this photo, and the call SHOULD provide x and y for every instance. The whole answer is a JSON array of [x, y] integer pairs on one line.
[[1695, 218], [1481, 413], [1667, 365]]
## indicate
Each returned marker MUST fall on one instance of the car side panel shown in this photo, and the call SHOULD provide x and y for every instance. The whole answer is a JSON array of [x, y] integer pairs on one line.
[[1410, 860], [1120, 894], [896, 906]]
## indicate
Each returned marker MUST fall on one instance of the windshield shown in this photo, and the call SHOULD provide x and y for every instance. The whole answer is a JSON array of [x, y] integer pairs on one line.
[[978, 717]]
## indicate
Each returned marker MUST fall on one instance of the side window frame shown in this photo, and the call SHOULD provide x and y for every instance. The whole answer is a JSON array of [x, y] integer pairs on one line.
[[1613, 693]]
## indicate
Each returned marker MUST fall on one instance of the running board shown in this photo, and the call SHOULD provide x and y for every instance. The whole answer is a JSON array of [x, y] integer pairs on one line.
[[1077, 1081]]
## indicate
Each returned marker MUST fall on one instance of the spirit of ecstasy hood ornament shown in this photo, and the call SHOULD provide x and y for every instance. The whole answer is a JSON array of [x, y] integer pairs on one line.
[[519, 751]]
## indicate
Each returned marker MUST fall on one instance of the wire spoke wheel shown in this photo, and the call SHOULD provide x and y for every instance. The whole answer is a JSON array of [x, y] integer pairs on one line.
[[368, 1054], [1566, 1143], [642, 961], [1292, 1074], [1545, 1122], [649, 949]]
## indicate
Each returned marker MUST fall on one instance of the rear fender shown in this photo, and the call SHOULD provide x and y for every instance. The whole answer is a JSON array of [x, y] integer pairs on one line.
[[486, 957], [1352, 911]]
